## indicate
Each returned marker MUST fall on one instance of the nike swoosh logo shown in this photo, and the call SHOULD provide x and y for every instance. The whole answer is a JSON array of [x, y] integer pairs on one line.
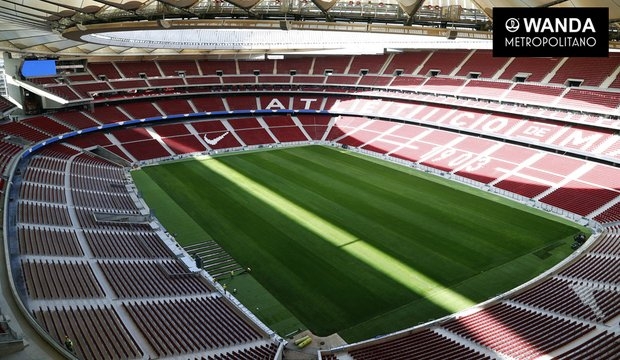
[[216, 140]]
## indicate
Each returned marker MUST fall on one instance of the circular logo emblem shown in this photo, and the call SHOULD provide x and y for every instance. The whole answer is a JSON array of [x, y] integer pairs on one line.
[[512, 25]]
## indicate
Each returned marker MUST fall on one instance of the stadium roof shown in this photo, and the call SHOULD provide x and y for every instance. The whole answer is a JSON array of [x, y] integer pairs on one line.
[[119, 28]]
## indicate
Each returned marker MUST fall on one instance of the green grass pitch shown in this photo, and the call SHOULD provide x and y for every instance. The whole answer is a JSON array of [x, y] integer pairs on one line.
[[339, 242]]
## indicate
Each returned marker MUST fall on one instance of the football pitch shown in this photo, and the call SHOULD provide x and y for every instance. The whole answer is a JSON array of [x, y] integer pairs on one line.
[[339, 242]]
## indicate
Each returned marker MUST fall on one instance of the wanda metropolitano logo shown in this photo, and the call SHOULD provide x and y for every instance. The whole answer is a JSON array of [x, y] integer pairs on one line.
[[512, 25], [555, 32]]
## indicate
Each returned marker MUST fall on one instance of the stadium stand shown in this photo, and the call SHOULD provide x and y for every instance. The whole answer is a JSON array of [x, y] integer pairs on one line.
[[22, 130], [586, 99], [106, 69], [174, 67], [99, 328], [300, 65], [124, 265], [5, 105], [407, 64], [108, 114], [517, 332], [212, 67], [490, 89], [46, 125], [284, 129], [372, 64], [60, 280], [604, 345], [168, 82], [534, 93], [174, 106], [443, 85], [337, 65], [424, 344], [591, 71], [265, 67], [530, 69], [123, 251], [444, 61], [481, 64], [128, 84], [90, 88], [135, 69]]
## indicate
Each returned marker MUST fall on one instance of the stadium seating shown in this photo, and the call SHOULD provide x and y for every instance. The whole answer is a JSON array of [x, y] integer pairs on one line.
[[108, 114], [602, 346], [338, 65], [265, 67], [480, 88], [34, 240], [140, 110], [590, 99], [375, 80], [342, 79], [23, 131], [203, 80], [152, 279], [167, 82], [517, 332], [443, 85], [5, 105], [567, 303], [300, 65], [172, 328], [74, 119], [571, 298], [424, 344], [609, 215], [345, 71], [532, 69], [46, 125], [174, 106], [251, 353], [482, 63], [593, 71], [173, 67], [130, 258], [64, 91], [406, 62], [62, 188], [107, 69], [88, 89], [370, 63], [37, 192], [129, 84], [251, 132], [100, 330], [60, 280], [595, 268], [314, 125], [207, 67], [284, 129], [534, 93], [133, 69], [126, 245], [444, 61], [241, 102]]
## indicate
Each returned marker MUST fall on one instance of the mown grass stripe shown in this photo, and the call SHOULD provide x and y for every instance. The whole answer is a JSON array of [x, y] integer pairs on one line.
[[363, 217]]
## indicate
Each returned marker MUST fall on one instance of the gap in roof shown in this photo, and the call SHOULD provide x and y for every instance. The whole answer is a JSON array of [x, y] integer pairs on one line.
[[262, 40]]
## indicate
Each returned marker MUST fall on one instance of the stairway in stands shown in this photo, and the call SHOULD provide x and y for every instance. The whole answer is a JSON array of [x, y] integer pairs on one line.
[[215, 260]]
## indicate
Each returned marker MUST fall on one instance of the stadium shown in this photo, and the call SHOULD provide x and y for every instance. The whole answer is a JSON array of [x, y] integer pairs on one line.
[[304, 179]]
